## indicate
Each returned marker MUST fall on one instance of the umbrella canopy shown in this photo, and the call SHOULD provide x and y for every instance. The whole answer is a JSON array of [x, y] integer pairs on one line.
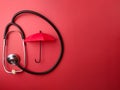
[[39, 37]]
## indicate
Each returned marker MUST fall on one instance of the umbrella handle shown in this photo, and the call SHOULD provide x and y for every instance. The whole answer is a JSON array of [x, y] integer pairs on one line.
[[37, 61], [40, 55]]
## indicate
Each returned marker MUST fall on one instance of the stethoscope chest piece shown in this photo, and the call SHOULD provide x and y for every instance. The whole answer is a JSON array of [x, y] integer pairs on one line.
[[13, 59]]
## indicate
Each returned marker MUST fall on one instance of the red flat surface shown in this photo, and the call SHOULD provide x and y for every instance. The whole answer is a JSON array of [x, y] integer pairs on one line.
[[91, 33]]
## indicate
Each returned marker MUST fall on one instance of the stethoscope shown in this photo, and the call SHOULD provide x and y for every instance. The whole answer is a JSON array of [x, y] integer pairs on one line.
[[14, 59]]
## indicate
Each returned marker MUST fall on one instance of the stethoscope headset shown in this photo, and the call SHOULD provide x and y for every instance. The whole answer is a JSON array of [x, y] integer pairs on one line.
[[14, 58]]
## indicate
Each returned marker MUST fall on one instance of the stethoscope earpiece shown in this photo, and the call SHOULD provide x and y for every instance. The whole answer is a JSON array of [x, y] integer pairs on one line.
[[13, 59]]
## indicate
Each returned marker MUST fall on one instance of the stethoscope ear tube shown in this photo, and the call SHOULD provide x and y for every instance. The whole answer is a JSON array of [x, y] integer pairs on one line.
[[17, 63], [16, 25], [6, 33]]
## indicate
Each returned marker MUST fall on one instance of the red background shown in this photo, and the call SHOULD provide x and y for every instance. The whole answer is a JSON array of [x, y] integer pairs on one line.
[[91, 34]]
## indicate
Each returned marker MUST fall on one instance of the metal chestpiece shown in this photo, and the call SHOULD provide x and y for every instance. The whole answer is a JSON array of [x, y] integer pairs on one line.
[[13, 59]]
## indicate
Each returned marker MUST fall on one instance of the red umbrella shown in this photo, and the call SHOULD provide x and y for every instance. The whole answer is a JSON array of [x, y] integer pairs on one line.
[[39, 37]]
